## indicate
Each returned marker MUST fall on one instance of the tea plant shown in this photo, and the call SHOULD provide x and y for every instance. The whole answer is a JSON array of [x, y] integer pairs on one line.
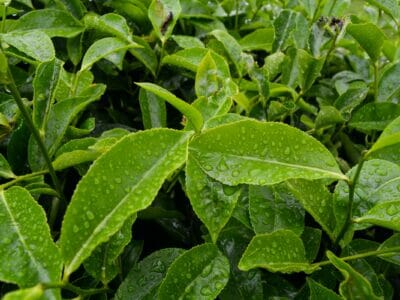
[[200, 149]]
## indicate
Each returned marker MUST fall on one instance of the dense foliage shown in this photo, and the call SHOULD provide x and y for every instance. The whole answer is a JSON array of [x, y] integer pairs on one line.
[[200, 149]]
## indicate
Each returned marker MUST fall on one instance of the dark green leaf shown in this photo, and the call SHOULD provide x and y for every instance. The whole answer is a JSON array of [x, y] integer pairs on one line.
[[318, 291], [392, 242], [201, 272], [388, 86], [374, 116], [290, 28]]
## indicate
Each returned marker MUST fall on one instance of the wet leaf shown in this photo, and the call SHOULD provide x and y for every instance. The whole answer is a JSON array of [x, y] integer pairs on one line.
[[154, 112], [260, 39], [389, 137], [261, 153], [5, 168], [110, 23], [144, 279], [207, 81], [29, 255], [388, 86], [163, 15], [212, 201], [201, 272], [354, 286], [318, 291], [34, 293], [280, 251], [392, 242], [391, 7], [385, 214], [50, 21], [374, 116], [145, 54], [122, 188], [33, 43], [312, 241], [273, 208]]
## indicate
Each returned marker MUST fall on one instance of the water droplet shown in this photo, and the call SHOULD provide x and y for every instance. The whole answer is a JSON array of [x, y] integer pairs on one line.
[[96, 181], [75, 229], [286, 151], [90, 215], [207, 167], [206, 271], [206, 291], [222, 166], [86, 224], [118, 180], [392, 210]]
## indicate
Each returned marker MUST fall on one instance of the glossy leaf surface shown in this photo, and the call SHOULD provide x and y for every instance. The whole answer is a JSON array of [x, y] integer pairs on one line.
[[354, 284], [50, 21], [145, 277], [374, 116], [212, 201], [154, 112], [261, 153], [121, 189], [389, 137], [280, 251], [273, 208], [29, 255], [318, 291], [201, 272], [163, 15], [388, 86]]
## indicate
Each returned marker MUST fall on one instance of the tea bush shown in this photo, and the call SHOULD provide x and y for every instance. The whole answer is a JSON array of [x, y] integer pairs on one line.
[[193, 149]]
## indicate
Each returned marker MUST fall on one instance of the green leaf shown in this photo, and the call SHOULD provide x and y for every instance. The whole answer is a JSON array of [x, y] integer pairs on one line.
[[212, 201], [118, 189], [261, 153], [207, 83], [201, 272], [392, 242], [385, 214], [50, 21], [5, 169], [34, 293], [350, 99], [388, 85], [28, 253], [318, 291], [103, 48], [354, 286], [186, 42], [154, 111], [290, 28], [374, 116], [103, 263], [272, 208], [33, 43], [163, 15], [374, 176], [44, 85], [144, 279], [328, 116], [369, 36], [111, 23], [312, 242], [232, 48], [389, 137], [259, 39], [309, 67], [145, 54], [193, 115], [391, 7], [280, 251], [60, 116]]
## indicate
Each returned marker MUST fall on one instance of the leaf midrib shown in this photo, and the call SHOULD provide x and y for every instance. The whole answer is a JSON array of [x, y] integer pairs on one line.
[[103, 224]]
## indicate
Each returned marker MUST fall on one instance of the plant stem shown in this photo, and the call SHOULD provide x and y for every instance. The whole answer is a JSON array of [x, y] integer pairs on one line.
[[27, 117], [22, 178], [376, 82], [352, 186], [77, 290], [360, 255]]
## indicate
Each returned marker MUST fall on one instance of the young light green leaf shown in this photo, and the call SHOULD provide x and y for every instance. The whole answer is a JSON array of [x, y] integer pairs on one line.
[[118, 189], [385, 214], [201, 272], [103, 48], [369, 36], [34, 293], [388, 86], [280, 251], [44, 86], [374, 116], [259, 39], [191, 113], [318, 291], [212, 201], [354, 286], [328, 116], [163, 15], [103, 263], [50, 21], [207, 83], [185, 41], [33, 43], [28, 253], [272, 208], [154, 111], [261, 153], [5, 169], [389, 137], [144, 279]]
